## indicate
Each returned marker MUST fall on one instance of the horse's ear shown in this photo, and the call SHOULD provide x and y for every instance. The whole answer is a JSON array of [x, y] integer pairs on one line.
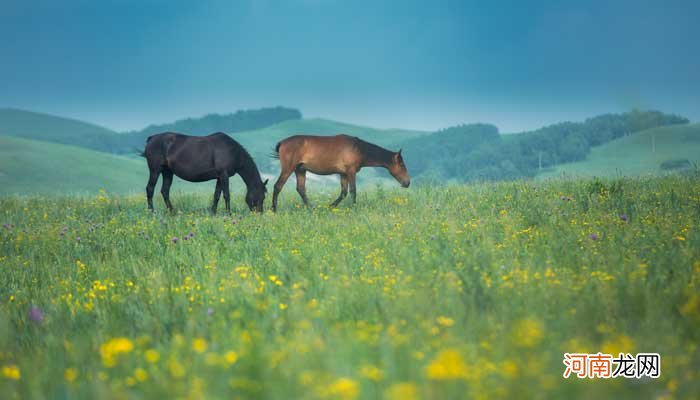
[[265, 183]]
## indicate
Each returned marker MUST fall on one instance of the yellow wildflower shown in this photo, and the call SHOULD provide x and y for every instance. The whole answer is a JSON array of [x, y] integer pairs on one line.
[[617, 345], [199, 345], [448, 364], [11, 372], [177, 370], [527, 333], [140, 374], [402, 391], [445, 321], [70, 374], [113, 348], [152, 356], [231, 357], [344, 388], [372, 373]]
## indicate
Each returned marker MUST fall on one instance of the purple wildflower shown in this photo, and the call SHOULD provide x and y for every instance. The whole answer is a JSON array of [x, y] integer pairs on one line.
[[78, 239], [174, 239], [624, 217], [36, 315], [565, 198], [191, 235], [594, 236], [6, 226], [210, 311]]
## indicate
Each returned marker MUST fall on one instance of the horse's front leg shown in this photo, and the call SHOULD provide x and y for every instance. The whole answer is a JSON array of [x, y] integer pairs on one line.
[[217, 195], [353, 188], [227, 195]]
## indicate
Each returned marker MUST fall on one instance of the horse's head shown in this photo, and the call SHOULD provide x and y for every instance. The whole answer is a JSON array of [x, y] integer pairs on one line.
[[398, 170], [256, 196]]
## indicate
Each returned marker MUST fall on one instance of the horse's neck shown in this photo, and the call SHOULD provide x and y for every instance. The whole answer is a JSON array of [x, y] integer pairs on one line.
[[250, 175], [378, 157]]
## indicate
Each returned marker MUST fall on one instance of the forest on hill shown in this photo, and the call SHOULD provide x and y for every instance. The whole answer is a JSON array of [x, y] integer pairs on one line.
[[477, 152]]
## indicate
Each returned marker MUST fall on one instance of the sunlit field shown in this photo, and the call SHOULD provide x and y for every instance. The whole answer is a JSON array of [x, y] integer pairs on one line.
[[425, 293]]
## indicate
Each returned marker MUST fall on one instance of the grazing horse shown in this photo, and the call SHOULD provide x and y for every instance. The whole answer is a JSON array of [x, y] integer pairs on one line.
[[199, 159], [325, 155]]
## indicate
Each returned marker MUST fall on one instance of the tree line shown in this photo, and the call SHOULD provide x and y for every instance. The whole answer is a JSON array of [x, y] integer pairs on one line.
[[239, 121], [478, 152]]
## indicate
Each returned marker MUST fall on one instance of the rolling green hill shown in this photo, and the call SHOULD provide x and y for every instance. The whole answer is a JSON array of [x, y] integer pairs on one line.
[[29, 166], [50, 128], [632, 155]]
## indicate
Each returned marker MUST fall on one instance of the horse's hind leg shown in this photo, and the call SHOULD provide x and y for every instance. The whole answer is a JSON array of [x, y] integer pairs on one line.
[[150, 187], [301, 184], [217, 195], [343, 190], [165, 188], [284, 175]]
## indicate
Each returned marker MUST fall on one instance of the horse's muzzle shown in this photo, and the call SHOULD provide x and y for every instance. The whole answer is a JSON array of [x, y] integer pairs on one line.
[[406, 184]]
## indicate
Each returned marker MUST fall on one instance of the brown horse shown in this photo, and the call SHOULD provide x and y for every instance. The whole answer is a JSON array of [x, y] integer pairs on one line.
[[199, 159], [325, 155]]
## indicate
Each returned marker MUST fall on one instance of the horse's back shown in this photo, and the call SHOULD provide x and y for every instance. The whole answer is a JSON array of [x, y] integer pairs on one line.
[[173, 141], [303, 140], [319, 154]]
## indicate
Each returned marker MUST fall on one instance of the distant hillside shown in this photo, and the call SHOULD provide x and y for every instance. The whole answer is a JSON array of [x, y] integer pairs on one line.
[[639, 154], [240, 121], [28, 166], [50, 128], [477, 152]]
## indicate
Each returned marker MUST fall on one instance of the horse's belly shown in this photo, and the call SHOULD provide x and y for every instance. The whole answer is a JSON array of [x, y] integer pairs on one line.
[[194, 177], [319, 169], [322, 172]]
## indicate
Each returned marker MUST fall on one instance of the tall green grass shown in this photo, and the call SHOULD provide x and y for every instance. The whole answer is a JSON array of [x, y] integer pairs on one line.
[[431, 292]]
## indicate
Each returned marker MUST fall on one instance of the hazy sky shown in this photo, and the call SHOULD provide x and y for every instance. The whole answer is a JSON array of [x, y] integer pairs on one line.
[[412, 64]]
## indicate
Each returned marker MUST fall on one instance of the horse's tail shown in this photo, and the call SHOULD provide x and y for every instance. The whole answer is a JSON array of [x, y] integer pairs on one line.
[[276, 153], [143, 153]]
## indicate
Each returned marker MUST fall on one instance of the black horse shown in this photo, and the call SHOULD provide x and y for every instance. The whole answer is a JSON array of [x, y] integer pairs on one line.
[[199, 159]]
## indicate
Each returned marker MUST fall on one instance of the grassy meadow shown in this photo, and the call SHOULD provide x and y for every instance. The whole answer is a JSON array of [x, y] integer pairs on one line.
[[428, 293]]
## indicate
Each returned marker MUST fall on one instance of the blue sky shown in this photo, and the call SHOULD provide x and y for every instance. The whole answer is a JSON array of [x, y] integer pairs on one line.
[[411, 64]]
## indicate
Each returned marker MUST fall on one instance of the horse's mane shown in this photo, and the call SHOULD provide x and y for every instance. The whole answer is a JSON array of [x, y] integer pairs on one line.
[[373, 152], [246, 158]]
